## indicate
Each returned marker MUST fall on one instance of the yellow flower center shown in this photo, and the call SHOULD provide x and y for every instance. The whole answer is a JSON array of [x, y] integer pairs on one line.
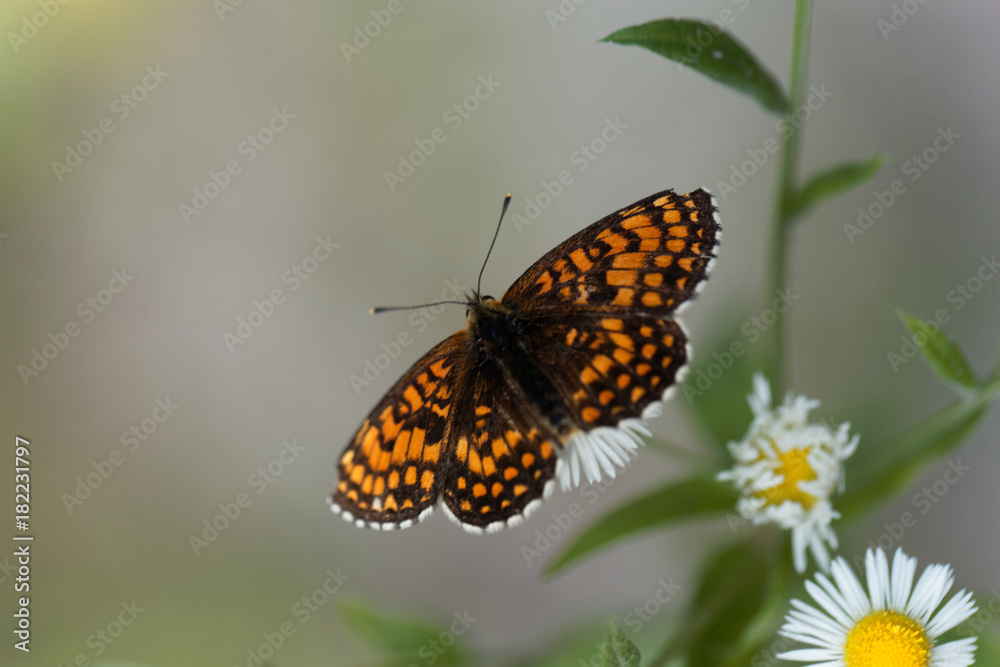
[[887, 639], [794, 468]]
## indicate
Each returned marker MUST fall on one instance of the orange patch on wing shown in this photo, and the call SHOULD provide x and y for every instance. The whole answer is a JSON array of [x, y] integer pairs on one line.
[[390, 503], [623, 380], [620, 278], [612, 324], [649, 350], [649, 245], [411, 475], [475, 463], [663, 261], [622, 356], [663, 202], [527, 459], [366, 486], [675, 245], [489, 467], [413, 397], [590, 413], [603, 363], [431, 453], [685, 263], [642, 369], [636, 221], [370, 440], [606, 396], [379, 487], [479, 490], [500, 448], [519, 489], [571, 336], [588, 375], [651, 299], [545, 280], [629, 260], [637, 393], [510, 473], [427, 480], [653, 279], [482, 410], [399, 449], [416, 444], [358, 474], [617, 242], [622, 340], [496, 489], [580, 259], [439, 369], [648, 232], [407, 504], [671, 216], [646, 332], [624, 297], [546, 450], [393, 479], [462, 449]]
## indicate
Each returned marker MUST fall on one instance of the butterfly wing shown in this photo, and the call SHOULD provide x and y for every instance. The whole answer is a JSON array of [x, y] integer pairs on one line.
[[391, 472], [503, 455], [646, 258], [597, 319]]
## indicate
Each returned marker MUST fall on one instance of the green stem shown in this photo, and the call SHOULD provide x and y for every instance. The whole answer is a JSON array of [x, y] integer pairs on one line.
[[787, 188]]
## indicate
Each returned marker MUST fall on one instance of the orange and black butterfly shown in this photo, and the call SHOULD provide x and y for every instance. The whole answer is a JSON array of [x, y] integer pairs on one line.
[[555, 379]]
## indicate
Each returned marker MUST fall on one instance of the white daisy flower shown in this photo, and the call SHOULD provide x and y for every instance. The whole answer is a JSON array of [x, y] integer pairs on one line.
[[893, 625], [787, 469]]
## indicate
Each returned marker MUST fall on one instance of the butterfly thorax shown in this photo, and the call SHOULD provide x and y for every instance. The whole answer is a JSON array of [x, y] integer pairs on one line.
[[497, 335]]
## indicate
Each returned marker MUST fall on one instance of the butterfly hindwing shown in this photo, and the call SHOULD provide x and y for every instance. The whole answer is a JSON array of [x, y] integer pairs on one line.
[[391, 472], [503, 456]]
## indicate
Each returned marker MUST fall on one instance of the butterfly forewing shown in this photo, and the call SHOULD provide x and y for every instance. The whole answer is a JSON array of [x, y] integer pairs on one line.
[[391, 473], [648, 257]]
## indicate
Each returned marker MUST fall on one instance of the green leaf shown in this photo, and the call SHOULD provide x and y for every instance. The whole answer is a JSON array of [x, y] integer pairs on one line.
[[393, 635], [705, 48], [941, 353], [688, 498], [732, 593], [617, 650], [988, 649], [831, 182], [721, 377], [893, 466]]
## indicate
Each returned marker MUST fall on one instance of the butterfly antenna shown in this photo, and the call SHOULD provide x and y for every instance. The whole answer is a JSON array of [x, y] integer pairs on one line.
[[382, 309], [506, 203]]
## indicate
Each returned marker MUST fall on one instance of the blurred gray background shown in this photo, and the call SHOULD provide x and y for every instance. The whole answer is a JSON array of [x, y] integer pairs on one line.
[[199, 79]]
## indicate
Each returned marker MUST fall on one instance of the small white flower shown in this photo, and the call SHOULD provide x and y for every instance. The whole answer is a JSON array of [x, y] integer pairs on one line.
[[893, 625], [787, 468]]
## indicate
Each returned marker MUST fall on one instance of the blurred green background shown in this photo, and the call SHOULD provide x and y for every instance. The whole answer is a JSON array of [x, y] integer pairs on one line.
[[162, 96]]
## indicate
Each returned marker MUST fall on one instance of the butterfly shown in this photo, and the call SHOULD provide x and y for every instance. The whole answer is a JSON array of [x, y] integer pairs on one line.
[[554, 379]]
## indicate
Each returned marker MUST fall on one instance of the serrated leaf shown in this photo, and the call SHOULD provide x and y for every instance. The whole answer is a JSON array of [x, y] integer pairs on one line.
[[391, 634], [894, 465], [618, 650], [706, 49], [688, 498], [940, 352], [833, 181]]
